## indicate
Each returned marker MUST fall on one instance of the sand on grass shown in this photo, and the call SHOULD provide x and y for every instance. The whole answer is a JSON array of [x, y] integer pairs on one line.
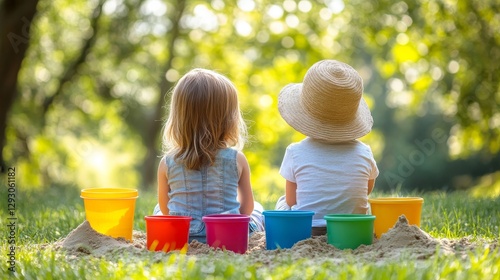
[[403, 240]]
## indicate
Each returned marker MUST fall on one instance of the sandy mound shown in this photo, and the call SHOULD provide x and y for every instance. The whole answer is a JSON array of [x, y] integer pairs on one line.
[[84, 240], [403, 240]]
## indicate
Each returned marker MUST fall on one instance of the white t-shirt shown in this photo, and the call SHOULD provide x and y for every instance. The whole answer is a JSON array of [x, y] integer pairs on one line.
[[330, 178]]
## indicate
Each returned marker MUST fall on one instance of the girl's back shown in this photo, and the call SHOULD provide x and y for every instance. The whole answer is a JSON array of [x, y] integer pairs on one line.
[[210, 190], [201, 173]]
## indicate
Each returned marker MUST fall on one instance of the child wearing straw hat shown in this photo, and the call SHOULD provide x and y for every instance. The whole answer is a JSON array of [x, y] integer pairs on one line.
[[330, 171]]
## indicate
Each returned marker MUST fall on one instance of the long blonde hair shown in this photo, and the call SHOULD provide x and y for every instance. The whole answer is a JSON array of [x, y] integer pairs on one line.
[[204, 117]]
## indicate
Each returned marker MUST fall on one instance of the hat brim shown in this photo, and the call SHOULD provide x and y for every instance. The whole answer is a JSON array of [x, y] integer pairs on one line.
[[296, 116]]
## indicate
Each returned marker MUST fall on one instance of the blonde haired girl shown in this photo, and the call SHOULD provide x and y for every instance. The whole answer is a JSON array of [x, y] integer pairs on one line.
[[203, 170]]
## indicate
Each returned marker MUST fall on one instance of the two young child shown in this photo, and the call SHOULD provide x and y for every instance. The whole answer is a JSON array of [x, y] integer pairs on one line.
[[204, 171]]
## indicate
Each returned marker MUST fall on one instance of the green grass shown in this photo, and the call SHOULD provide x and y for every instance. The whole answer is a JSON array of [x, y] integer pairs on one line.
[[49, 215]]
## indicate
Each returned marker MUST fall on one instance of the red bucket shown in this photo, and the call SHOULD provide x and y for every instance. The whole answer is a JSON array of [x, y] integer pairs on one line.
[[167, 233], [227, 231]]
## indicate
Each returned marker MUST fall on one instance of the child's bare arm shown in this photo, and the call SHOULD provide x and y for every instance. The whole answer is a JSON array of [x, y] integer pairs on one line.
[[371, 184], [245, 194], [291, 193], [163, 187]]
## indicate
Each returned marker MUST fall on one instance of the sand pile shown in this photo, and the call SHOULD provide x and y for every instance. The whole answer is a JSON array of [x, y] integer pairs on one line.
[[84, 240], [403, 240]]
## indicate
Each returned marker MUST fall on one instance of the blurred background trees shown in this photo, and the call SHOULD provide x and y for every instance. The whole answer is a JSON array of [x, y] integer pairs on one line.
[[92, 90]]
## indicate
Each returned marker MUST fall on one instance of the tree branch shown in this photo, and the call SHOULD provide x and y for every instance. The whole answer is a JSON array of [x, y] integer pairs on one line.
[[72, 69]]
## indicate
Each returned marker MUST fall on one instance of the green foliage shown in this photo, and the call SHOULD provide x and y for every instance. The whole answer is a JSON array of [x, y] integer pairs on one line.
[[426, 65], [47, 216]]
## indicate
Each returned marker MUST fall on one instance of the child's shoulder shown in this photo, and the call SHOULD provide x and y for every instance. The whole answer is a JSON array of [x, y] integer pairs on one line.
[[228, 153], [361, 144], [309, 143]]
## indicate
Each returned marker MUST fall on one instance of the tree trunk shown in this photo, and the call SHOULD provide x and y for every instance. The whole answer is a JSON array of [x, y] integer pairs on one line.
[[155, 123], [15, 22]]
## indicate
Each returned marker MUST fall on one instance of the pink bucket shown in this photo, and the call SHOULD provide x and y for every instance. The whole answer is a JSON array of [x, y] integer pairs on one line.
[[227, 231]]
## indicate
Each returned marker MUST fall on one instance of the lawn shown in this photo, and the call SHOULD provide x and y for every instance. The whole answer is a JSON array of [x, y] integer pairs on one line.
[[44, 217]]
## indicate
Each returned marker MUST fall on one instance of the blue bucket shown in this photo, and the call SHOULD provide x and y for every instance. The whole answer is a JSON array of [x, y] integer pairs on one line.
[[285, 228]]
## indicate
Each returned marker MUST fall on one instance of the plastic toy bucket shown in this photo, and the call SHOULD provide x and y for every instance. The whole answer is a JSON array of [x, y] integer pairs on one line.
[[388, 209], [284, 228], [227, 231], [167, 233], [110, 211], [348, 231]]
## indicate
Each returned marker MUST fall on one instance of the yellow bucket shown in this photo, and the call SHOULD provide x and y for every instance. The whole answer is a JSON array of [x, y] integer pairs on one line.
[[388, 209], [110, 211]]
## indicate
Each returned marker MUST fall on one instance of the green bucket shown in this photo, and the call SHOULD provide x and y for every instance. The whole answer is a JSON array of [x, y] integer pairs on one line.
[[349, 231]]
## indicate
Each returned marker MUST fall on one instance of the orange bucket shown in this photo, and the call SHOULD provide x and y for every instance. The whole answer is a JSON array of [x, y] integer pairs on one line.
[[167, 233], [110, 211], [388, 209]]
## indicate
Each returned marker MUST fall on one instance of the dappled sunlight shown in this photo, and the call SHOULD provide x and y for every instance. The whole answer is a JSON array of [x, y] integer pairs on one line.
[[375, 139], [106, 166], [202, 18], [98, 159], [265, 101], [424, 67], [243, 27], [246, 5], [267, 184], [112, 6], [153, 8], [90, 83], [404, 52], [487, 186]]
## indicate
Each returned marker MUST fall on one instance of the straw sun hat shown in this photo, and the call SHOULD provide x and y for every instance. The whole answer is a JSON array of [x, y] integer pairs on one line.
[[328, 104]]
